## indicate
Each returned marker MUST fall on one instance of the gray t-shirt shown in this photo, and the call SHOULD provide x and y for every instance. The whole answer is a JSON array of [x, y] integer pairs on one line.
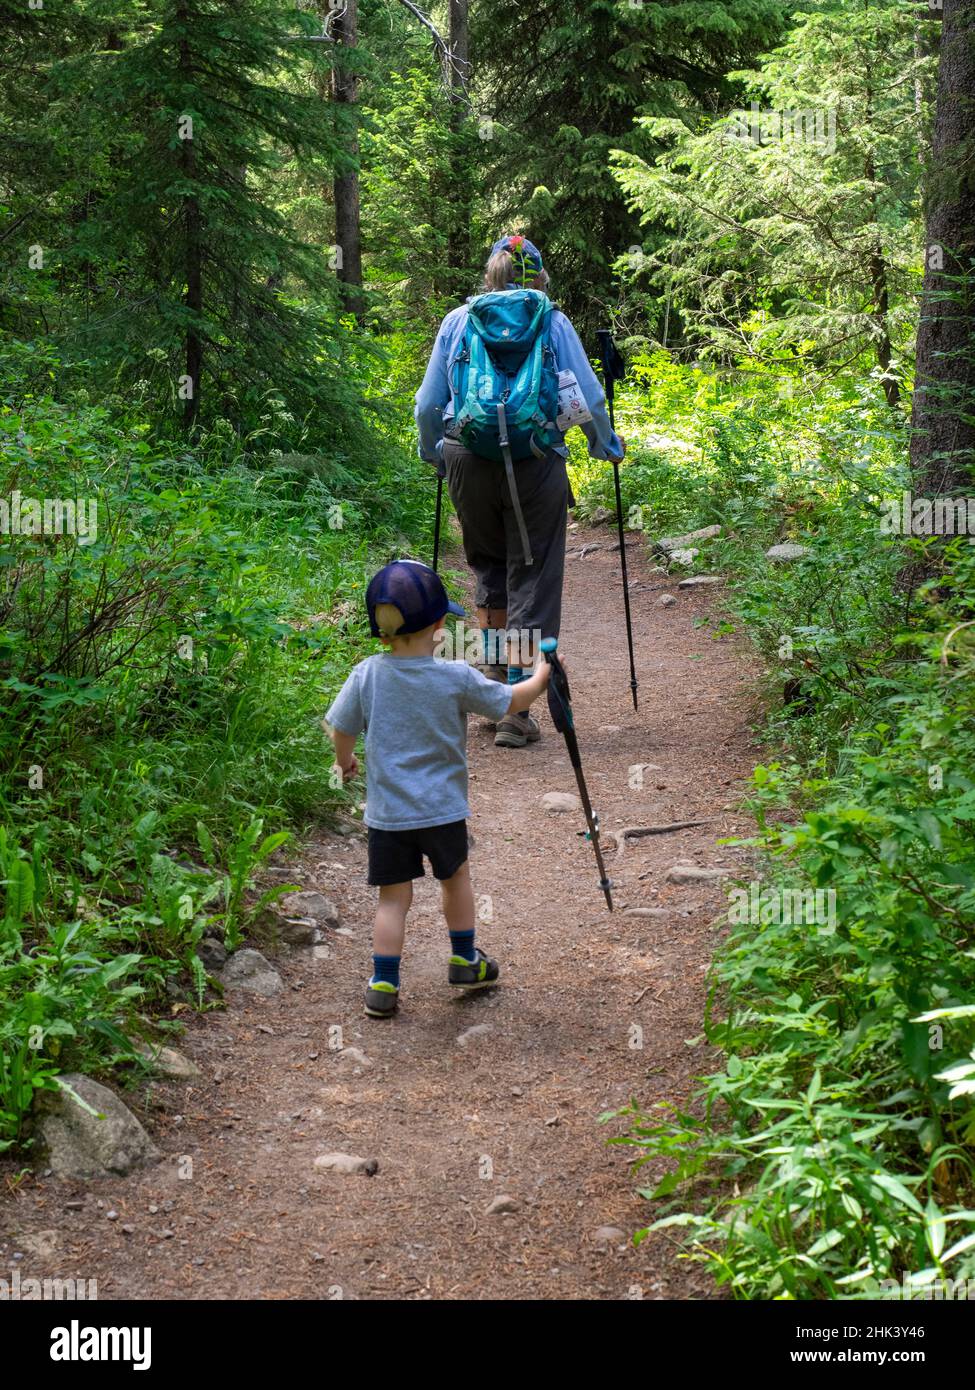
[[414, 711]]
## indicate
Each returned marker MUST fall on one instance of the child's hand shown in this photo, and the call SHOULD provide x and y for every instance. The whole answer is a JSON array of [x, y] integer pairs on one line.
[[350, 768]]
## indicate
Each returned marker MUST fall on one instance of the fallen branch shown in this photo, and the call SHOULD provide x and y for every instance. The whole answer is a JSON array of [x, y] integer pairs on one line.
[[638, 832]]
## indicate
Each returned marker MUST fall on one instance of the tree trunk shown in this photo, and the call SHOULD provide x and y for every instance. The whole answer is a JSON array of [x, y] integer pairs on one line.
[[943, 421], [193, 251], [345, 94], [881, 303], [459, 231]]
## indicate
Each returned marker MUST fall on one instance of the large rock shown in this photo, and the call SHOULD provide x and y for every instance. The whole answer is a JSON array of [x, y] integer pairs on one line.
[[80, 1144], [249, 970], [788, 550], [699, 581], [561, 801], [312, 905], [706, 533]]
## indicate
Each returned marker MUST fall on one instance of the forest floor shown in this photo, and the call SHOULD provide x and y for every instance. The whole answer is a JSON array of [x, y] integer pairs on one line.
[[455, 1122]]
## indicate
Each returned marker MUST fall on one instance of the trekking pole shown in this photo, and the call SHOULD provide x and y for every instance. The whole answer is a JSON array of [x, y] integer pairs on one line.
[[614, 369], [436, 524], [560, 708]]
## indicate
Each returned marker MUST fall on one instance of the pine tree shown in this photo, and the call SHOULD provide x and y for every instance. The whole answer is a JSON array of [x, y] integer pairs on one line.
[[794, 220], [189, 273], [563, 81]]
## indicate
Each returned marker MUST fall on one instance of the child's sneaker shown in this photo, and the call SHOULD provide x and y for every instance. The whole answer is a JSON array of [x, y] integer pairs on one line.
[[473, 974], [382, 999]]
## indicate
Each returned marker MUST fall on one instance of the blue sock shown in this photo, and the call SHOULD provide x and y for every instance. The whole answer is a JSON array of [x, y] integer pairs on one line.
[[462, 944], [385, 968]]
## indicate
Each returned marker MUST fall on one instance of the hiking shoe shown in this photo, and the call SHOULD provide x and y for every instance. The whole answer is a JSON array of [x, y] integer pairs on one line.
[[515, 730], [382, 999], [472, 974]]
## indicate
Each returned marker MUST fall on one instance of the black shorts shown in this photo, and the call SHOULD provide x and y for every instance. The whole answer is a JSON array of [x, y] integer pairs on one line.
[[396, 856]]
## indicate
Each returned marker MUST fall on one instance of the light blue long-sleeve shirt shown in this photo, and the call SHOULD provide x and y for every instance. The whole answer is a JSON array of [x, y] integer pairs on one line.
[[436, 407]]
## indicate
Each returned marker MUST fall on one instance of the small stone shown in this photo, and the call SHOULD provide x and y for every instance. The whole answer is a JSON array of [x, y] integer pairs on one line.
[[111, 1216], [298, 931], [684, 557], [502, 1206], [248, 970], [212, 953], [608, 729], [558, 802], [787, 551], [517, 1091], [608, 1235], [265, 1028], [152, 1209], [128, 1228], [690, 873], [600, 515], [354, 1055], [169, 1062], [666, 601], [479, 1030], [346, 1163], [74, 1206], [648, 912], [344, 931]]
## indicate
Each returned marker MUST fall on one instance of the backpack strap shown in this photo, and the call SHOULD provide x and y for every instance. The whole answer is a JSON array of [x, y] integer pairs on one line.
[[512, 487], [453, 378]]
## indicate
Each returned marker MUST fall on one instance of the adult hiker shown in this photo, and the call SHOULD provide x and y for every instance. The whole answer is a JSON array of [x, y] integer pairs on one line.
[[507, 377]]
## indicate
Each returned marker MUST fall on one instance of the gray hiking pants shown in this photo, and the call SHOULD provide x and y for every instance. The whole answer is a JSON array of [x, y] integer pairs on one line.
[[532, 594]]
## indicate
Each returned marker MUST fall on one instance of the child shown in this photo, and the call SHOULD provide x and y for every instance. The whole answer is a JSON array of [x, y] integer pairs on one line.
[[414, 711]]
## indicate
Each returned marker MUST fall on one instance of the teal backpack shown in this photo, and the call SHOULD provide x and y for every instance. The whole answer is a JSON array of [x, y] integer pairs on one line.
[[506, 384]]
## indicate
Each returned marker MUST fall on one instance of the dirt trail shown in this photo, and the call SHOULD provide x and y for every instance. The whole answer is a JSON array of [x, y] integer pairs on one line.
[[513, 1111]]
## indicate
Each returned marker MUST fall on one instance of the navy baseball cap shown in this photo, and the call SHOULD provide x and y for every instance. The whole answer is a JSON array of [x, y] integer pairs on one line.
[[416, 590], [516, 244]]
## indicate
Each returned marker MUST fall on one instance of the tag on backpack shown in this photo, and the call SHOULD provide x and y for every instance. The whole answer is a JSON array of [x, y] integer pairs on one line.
[[572, 406]]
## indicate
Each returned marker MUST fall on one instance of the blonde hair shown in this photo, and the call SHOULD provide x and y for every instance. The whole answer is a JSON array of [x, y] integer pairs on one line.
[[500, 272], [389, 619]]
